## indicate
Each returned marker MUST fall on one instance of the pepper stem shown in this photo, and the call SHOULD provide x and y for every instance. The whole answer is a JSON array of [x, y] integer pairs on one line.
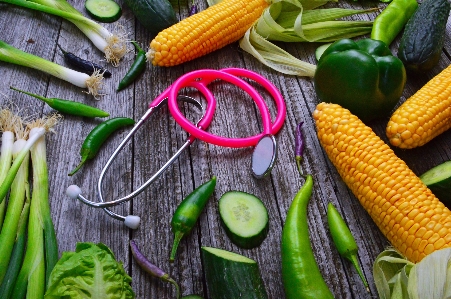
[[83, 160], [178, 236], [355, 263], [177, 288]]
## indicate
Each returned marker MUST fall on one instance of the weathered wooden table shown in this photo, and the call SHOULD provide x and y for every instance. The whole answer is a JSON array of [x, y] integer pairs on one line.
[[39, 34]]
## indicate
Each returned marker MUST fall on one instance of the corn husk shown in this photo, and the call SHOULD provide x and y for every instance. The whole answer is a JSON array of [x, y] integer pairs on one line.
[[397, 278], [299, 21]]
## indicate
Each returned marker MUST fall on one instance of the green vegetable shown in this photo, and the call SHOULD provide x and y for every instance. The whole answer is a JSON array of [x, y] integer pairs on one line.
[[90, 272], [14, 210], [361, 76], [244, 217], [112, 44], [95, 139], [138, 66], [15, 262], [188, 211], [320, 50], [192, 297], [154, 15], [42, 249], [301, 276], [68, 107], [13, 55], [231, 275], [343, 239], [392, 20], [396, 277], [423, 38], [438, 179], [106, 11]]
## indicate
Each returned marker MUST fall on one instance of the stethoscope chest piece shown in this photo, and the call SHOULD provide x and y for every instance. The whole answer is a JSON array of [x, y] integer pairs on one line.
[[264, 156]]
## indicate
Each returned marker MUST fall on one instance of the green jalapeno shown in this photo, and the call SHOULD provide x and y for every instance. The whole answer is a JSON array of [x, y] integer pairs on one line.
[[98, 136], [138, 66], [301, 276], [68, 107], [343, 239], [189, 210], [392, 19]]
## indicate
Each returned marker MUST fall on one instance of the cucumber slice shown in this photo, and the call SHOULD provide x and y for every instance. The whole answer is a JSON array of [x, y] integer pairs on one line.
[[230, 275], [244, 217], [320, 50], [438, 180], [106, 11]]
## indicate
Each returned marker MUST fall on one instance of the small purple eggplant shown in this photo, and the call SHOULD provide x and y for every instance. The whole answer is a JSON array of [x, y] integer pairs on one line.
[[150, 268]]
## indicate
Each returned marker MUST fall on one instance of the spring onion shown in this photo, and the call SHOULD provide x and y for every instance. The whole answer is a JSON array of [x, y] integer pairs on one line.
[[113, 45], [13, 55], [42, 249], [15, 203], [16, 259]]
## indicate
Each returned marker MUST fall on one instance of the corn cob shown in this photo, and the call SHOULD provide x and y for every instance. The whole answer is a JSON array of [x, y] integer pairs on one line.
[[414, 221], [423, 116], [205, 32]]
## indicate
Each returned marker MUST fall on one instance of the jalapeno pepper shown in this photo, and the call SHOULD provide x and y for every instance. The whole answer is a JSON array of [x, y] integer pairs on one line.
[[344, 240], [68, 107], [301, 276], [98, 136], [138, 66], [392, 19], [189, 210]]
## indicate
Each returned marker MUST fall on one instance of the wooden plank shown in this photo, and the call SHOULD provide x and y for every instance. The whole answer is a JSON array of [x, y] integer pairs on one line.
[[159, 139]]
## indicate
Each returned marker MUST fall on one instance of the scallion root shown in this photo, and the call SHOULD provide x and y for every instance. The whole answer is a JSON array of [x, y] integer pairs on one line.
[[117, 45]]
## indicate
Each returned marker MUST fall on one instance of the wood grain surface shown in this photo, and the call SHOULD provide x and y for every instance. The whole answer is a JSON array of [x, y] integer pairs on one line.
[[236, 116]]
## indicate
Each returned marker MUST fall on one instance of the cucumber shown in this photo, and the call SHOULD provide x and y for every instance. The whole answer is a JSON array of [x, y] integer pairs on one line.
[[244, 217], [438, 180], [230, 275], [106, 11], [154, 15], [424, 34], [320, 50]]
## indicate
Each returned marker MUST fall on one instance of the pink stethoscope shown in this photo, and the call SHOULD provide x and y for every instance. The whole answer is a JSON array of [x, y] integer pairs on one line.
[[265, 146]]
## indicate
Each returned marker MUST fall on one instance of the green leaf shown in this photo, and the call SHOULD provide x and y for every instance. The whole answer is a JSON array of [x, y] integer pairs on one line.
[[90, 272]]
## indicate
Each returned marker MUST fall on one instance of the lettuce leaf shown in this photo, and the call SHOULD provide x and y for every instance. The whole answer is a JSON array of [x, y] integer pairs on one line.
[[90, 272]]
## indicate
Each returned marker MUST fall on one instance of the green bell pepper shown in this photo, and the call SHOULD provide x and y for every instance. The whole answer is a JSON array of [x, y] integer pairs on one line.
[[361, 76]]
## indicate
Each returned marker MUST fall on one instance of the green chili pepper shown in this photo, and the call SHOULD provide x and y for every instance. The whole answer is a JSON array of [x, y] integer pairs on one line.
[[189, 210], [138, 66], [301, 276], [98, 136], [389, 23], [343, 239], [68, 107]]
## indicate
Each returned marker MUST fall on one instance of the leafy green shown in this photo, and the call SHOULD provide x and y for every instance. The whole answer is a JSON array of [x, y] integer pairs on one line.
[[397, 278], [90, 272]]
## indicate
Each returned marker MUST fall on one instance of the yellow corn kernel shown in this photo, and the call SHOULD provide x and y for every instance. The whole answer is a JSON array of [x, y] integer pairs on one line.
[[209, 30], [402, 202], [423, 116]]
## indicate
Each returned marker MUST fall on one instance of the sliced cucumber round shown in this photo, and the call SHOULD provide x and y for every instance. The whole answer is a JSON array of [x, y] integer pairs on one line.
[[106, 11], [438, 180], [245, 218]]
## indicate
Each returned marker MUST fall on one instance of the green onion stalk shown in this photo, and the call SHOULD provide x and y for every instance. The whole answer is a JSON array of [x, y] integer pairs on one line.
[[13, 55], [7, 120], [42, 249], [15, 203], [113, 45], [15, 263]]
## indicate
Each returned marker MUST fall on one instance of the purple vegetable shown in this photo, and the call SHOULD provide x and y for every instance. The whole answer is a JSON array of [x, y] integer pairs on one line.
[[299, 146], [150, 268], [193, 10]]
